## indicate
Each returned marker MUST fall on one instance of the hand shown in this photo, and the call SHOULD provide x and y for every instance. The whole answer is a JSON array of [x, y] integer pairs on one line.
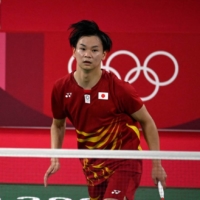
[[54, 167], [159, 174]]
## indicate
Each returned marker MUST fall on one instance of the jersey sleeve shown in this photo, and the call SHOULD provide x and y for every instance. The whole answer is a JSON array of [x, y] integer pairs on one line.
[[57, 103]]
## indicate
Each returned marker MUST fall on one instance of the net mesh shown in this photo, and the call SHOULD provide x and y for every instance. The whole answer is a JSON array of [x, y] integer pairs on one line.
[[22, 172]]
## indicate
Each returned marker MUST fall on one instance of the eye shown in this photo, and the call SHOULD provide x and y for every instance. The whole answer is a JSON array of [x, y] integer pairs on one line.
[[94, 50]]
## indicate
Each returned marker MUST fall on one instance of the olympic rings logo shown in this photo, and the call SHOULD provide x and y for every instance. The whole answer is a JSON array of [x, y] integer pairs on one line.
[[138, 69]]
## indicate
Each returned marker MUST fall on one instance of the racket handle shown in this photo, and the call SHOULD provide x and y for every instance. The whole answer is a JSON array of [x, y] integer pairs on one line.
[[160, 190]]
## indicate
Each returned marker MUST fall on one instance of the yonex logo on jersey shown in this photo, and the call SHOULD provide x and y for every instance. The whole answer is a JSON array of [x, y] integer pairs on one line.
[[115, 191], [103, 95], [68, 95]]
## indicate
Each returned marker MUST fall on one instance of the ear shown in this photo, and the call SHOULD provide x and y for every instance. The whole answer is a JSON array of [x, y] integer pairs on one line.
[[104, 55], [73, 52]]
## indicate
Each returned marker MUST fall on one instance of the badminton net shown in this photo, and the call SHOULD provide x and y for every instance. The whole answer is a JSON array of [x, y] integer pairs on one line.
[[22, 172]]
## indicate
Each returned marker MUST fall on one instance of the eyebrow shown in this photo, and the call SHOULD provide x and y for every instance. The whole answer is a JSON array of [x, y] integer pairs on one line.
[[92, 46]]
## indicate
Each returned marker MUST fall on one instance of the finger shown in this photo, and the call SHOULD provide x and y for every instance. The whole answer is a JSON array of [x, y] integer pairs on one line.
[[49, 172], [45, 180], [54, 170], [46, 176], [155, 180], [163, 183]]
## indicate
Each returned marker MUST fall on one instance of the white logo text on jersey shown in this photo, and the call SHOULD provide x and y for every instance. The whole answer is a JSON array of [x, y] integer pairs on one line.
[[68, 94], [115, 191], [137, 70]]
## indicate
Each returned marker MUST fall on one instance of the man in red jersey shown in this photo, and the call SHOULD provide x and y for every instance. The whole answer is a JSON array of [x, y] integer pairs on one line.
[[105, 112]]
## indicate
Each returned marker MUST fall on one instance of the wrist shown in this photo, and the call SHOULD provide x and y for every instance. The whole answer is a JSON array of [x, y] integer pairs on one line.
[[54, 159], [156, 163]]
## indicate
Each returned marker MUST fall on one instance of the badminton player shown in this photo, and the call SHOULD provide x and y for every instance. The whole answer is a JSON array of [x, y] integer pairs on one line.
[[105, 112]]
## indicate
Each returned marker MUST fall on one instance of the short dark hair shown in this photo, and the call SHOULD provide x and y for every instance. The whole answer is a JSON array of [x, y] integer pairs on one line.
[[88, 28]]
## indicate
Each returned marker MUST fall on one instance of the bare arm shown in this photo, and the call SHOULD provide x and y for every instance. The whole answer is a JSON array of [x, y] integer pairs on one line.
[[152, 138], [57, 137], [57, 133], [148, 127]]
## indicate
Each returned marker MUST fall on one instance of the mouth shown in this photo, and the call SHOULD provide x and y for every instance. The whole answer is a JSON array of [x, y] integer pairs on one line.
[[87, 62]]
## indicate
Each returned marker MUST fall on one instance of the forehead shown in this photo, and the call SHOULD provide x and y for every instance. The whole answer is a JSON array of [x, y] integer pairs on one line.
[[90, 41]]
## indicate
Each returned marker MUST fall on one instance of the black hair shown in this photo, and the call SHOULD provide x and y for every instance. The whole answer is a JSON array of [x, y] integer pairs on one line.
[[88, 28]]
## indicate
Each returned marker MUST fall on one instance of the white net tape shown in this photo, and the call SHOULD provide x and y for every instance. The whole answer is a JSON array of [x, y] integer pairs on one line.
[[125, 154]]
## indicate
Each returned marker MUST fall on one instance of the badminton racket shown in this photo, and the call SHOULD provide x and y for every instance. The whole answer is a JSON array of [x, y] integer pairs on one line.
[[160, 190]]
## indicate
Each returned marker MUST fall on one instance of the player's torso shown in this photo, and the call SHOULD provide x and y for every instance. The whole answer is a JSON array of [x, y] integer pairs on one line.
[[96, 116], [87, 109], [100, 124]]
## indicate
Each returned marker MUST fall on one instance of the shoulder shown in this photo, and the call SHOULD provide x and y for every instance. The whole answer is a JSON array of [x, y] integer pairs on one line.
[[63, 81], [111, 77], [116, 82]]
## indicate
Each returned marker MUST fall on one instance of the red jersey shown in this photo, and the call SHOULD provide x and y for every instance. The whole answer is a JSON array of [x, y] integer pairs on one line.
[[102, 119]]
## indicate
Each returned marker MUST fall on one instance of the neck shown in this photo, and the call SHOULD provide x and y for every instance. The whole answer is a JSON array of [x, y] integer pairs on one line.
[[87, 79]]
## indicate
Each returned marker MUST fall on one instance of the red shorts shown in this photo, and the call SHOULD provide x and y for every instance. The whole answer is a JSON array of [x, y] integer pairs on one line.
[[121, 184]]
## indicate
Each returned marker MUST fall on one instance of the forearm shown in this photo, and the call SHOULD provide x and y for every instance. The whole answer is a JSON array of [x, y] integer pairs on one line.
[[57, 134], [152, 138], [151, 135], [149, 129]]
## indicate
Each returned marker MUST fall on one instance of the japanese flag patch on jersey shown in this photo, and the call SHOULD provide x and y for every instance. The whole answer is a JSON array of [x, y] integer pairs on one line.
[[103, 95]]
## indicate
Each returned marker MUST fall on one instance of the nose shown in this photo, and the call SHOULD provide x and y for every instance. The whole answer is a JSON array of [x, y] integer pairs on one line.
[[87, 54]]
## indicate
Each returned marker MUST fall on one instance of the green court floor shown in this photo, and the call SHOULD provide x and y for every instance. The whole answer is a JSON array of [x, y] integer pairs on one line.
[[66, 192]]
